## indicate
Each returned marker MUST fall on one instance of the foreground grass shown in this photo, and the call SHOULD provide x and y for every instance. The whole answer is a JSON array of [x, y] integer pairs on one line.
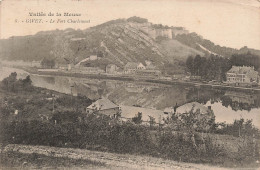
[[15, 160], [15, 156], [43, 157]]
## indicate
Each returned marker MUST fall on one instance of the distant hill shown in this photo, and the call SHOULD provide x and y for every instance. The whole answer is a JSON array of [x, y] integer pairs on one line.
[[197, 42], [117, 41]]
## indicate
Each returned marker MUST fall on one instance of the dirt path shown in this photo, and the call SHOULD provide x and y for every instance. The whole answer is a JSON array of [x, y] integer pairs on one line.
[[112, 160]]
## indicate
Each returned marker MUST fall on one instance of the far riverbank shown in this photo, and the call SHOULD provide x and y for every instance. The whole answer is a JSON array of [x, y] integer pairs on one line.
[[142, 79]]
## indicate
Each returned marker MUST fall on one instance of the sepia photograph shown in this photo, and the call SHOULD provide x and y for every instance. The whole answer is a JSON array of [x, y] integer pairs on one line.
[[129, 84]]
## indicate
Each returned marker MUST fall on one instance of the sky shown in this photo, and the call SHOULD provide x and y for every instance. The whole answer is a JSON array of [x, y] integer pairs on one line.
[[231, 23]]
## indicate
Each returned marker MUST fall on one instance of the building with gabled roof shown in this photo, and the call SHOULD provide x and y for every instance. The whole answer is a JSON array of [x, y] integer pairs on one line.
[[111, 69], [202, 114], [104, 106], [128, 112], [131, 67], [242, 75], [150, 70]]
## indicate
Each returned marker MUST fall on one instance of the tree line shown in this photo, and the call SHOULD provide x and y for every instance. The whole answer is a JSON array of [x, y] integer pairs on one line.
[[247, 59], [209, 68], [215, 67], [12, 84]]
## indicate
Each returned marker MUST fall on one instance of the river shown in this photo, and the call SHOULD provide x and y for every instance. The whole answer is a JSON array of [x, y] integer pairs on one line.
[[227, 105]]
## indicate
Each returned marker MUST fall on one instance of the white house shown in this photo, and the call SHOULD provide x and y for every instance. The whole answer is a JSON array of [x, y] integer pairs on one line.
[[104, 106], [131, 67], [242, 75]]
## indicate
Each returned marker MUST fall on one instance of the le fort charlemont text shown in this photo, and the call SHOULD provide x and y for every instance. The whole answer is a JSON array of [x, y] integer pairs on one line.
[[42, 14]]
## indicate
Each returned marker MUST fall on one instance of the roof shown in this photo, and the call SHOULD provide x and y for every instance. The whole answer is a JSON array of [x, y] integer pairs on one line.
[[188, 107], [102, 104], [131, 111], [111, 65], [131, 65], [140, 65], [241, 70]]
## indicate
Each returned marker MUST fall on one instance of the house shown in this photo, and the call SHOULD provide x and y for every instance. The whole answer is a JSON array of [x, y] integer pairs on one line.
[[140, 66], [111, 69], [131, 67], [36, 64], [69, 67], [150, 70], [205, 114], [242, 75], [128, 112], [104, 106]]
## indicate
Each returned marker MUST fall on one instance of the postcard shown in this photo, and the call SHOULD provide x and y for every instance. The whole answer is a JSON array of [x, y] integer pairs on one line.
[[129, 84]]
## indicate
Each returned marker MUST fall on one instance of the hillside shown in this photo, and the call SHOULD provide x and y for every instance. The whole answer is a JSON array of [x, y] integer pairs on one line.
[[197, 42], [118, 41]]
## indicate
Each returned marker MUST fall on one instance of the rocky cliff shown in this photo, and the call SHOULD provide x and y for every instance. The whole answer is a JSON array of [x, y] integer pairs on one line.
[[117, 41]]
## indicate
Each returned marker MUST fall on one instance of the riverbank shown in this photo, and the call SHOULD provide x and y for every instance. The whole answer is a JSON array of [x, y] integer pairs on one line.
[[143, 79]]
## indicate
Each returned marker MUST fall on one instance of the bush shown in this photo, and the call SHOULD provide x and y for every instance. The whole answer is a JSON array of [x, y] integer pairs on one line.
[[11, 83]]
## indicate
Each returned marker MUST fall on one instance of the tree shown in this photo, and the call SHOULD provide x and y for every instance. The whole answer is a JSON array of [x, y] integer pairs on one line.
[[137, 119], [9, 82], [27, 83], [210, 68], [151, 121], [246, 59], [137, 19], [48, 63], [197, 64], [189, 64]]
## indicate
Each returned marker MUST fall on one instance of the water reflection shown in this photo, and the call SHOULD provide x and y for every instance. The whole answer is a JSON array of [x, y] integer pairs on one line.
[[240, 100], [237, 100]]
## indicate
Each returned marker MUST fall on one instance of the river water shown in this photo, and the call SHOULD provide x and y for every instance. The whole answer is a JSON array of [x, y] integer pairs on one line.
[[227, 105]]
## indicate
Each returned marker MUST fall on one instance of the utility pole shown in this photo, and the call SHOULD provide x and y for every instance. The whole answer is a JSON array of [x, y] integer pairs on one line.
[[53, 98], [71, 91], [53, 105]]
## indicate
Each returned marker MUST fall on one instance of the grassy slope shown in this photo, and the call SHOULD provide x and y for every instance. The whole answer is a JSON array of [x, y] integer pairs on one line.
[[176, 50]]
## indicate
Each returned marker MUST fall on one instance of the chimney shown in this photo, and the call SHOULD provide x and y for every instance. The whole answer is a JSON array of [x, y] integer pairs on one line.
[[209, 107]]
